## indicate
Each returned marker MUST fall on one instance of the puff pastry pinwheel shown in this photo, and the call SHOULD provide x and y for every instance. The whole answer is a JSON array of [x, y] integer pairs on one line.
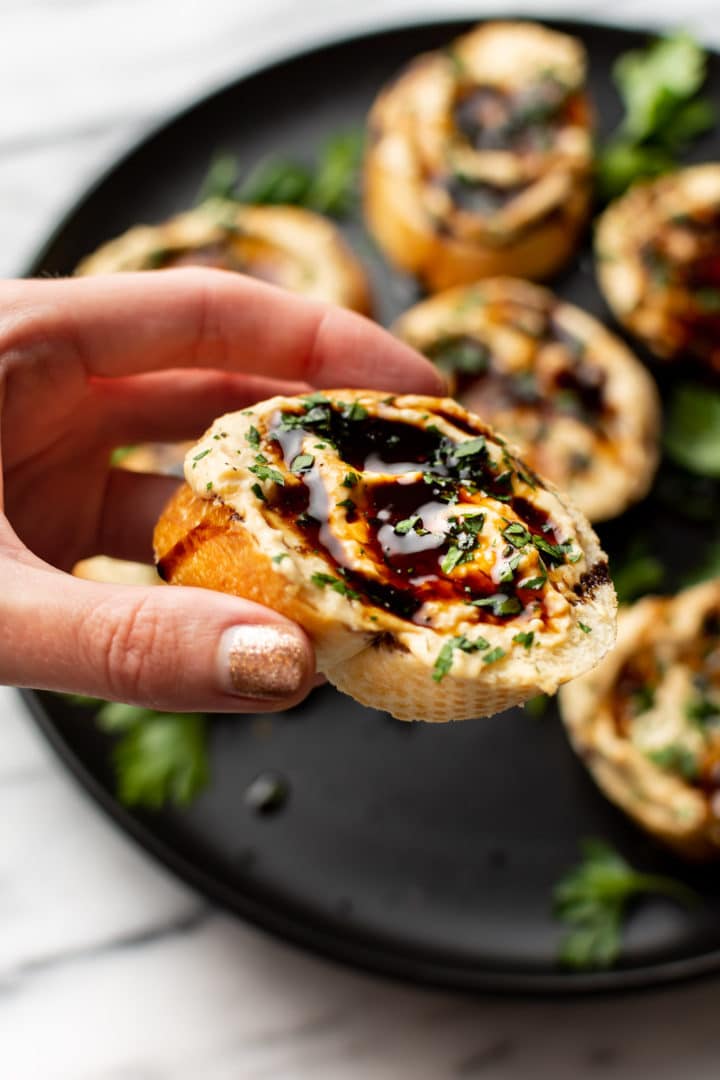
[[646, 722], [283, 245], [658, 263], [480, 157], [570, 396], [437, 576]]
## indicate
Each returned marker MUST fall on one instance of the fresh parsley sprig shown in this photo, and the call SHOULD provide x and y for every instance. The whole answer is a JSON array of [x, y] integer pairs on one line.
[[329, 186], [659, 87], [593, 900], [158, 757]]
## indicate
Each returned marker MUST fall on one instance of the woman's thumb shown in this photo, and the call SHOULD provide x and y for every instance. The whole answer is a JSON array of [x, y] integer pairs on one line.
[[165, 648]]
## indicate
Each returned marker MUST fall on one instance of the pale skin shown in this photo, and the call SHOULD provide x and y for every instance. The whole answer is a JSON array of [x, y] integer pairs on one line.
[[90, 364]]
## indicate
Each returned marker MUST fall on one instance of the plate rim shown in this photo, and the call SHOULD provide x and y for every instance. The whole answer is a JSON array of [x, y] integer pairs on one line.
[[333, 945]]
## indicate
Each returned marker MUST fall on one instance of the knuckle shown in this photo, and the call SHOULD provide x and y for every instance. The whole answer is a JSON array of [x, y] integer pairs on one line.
[[128, 641]]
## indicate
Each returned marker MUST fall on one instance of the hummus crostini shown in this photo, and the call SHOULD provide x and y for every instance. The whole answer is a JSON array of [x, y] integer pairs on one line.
[[646, 722], [658, 263], [579, 407], [480, 156], [438, 579], [283, 245]]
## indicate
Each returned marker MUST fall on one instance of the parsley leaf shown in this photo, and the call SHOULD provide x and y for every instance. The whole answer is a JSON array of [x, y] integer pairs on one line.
[[338, 586], [500, 603], [301, 463], [658, 86], [445, 657], [692, 431], [159, 757], [495, 654], [350, 480], [593, 898], [525, 639], [678, 759], [263, 471], [252, 437], [516, 534], [410, 524], [328, 186]]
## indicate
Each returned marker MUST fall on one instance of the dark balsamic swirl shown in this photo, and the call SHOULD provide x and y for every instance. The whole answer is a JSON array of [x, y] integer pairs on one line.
[[397, 519]]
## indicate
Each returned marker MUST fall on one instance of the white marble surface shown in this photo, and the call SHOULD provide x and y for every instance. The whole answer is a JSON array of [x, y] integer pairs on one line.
[[109, 968]]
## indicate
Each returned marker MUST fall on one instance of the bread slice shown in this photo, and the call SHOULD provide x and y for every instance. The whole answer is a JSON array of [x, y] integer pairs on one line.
[[438, 577]]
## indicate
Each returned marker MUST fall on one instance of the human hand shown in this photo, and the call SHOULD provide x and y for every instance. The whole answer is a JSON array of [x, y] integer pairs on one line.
[[90, 364]]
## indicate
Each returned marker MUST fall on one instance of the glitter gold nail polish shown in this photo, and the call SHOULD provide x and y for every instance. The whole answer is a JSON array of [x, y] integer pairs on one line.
[[268, 662]]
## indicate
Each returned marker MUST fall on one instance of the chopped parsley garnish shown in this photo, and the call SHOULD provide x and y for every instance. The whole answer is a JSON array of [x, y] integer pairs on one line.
[[258, 492], [279, 558], [209, 485], [410, 524], [301, 463], [585, 629], [525, 639], [517, 535], [593, 899], [200, 456], [676, 759], [350, 480], [471, 448], [446, 655], [557, 552], [338, 586], [463, 532], [533, 582], [494, 655], [347, 504], [263, 471], [252, 437], [452, 558], [500, 603], [354, 411], [508, 571]]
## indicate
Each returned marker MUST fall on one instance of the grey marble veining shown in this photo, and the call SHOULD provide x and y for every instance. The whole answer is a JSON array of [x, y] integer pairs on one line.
[[110, 969]]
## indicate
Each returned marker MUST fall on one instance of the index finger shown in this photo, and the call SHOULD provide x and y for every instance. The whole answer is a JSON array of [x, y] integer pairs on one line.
[[125, 324]]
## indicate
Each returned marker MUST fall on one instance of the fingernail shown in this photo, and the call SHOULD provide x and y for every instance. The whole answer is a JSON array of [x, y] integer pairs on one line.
[[262, 661]]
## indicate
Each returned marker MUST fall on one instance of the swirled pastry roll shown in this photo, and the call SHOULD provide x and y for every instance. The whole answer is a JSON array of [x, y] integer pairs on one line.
[[437, 576], [646, 722], [283, 245], [480, 157], [571, 397], [658, 263]]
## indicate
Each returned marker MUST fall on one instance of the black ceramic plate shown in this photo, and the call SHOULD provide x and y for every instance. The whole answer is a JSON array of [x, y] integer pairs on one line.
[[427, 852]]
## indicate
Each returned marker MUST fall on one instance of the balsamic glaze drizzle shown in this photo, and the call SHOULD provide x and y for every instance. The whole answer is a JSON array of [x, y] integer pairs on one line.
[[406, 526]]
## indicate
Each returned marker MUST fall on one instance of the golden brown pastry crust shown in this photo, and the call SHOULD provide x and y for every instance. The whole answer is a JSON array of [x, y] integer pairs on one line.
[[284, 245], [480, 157], [644, 723], [349, 512], [658, 263], [570, 396]]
